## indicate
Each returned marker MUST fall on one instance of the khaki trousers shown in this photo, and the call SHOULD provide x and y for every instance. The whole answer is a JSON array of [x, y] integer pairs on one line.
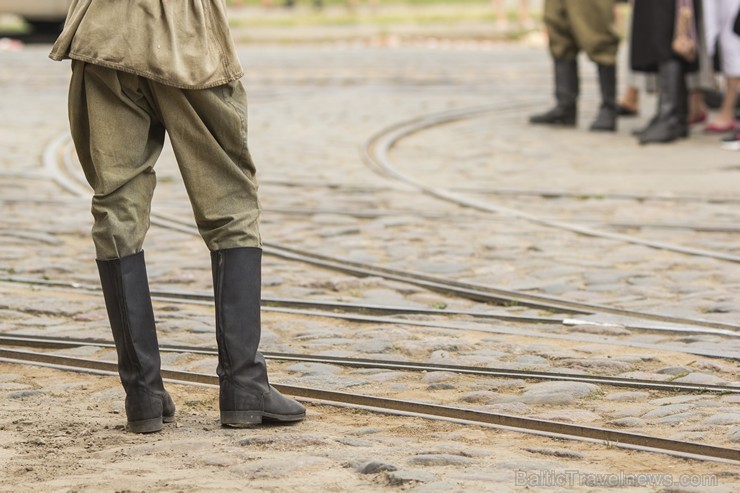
[[588, 25], [118, 122]]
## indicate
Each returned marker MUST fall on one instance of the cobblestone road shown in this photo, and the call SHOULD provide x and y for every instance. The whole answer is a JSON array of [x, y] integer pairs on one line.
[[312, 109]]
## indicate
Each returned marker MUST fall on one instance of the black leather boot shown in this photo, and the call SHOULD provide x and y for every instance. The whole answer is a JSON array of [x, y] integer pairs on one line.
[[639, 131], [246, 397], [566, 95], [606, 120], [671, 121], [129, 305]]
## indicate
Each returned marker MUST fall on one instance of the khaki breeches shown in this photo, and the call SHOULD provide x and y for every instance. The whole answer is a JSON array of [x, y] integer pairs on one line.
[[588, 25], [118, 122]]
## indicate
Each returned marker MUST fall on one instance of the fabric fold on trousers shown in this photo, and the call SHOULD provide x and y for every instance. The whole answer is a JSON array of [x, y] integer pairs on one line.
[[118, 122]]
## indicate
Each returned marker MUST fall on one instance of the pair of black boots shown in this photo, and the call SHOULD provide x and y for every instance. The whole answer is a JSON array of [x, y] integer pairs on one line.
[[245, 397], [567, 89]]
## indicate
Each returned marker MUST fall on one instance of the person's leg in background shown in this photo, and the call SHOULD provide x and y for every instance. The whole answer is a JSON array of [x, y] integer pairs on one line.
[[593, 27], [725, 119], [118, 139], [525, 15], [723, 17], [671, 119], [629, 104], [564, 51], [702, 80], [501, 9], [652, 51], [502, 18]]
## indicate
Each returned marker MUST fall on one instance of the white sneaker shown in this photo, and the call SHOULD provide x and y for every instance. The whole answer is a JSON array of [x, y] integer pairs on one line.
[[732, 143]]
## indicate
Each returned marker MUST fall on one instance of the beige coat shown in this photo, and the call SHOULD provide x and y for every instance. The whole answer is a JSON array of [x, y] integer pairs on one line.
[[180, 43]]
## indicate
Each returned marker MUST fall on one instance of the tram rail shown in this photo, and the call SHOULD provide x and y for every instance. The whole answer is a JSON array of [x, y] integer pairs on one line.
[[686, 449], [37, 342], [457, 326]]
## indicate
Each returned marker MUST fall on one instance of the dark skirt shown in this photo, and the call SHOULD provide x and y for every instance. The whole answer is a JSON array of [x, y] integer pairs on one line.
[[653, 25]]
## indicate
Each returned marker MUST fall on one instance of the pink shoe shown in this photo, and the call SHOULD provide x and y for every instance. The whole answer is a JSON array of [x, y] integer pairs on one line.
[[714, 128]]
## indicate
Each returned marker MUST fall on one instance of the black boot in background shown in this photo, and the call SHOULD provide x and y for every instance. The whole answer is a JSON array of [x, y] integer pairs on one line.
[[671, 121], [606, 120], [129, 305], [246, 397], [566, 95]]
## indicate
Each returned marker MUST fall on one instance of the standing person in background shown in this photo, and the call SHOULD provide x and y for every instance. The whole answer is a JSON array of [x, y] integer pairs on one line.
[[652, 51], [719, 19], [697, 83], [289, 4], [572, 26], [502, 20], [141, 69]]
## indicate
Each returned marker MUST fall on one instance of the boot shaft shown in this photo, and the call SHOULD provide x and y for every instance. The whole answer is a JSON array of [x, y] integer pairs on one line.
[[608, 85], [671, 119], [129, 305], [131, 316], [567, 82], [606, 119], [245, 395], [566, 95], [237, 293], [673, 99]]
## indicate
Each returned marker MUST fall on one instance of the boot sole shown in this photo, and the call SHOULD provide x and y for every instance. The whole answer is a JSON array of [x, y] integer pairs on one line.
[[603, 129], [145, 426], [240, 419], [558, 123]]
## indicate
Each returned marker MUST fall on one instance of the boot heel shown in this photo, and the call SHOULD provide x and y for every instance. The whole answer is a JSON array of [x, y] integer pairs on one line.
[[240, 419], [145, 425]]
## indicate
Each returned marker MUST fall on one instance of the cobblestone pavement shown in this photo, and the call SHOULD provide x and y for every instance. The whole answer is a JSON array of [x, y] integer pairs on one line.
[[311, 111]]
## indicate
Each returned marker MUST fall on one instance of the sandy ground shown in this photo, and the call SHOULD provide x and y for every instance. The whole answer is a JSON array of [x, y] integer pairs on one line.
[[69, 437]]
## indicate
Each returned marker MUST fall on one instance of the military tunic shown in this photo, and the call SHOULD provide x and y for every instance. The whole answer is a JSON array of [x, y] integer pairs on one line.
[[181, 43], [143, 68], [588, 25]]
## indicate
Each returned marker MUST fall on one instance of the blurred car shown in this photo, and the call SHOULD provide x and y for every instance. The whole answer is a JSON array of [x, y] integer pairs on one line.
[[43, 15]]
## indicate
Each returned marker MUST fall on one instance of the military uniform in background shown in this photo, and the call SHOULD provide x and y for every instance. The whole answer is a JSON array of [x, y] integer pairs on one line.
[[574, 26], [142, 68]]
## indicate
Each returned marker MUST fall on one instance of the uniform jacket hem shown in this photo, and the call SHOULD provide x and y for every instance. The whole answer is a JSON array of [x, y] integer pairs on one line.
[[162, 80]]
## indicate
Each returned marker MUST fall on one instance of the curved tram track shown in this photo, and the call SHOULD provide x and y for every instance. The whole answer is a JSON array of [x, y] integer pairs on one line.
[[376, 154], [59, 163]]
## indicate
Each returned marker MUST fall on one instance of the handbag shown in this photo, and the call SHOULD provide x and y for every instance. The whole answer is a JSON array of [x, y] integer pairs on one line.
[[684, 34], [737, 24]]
